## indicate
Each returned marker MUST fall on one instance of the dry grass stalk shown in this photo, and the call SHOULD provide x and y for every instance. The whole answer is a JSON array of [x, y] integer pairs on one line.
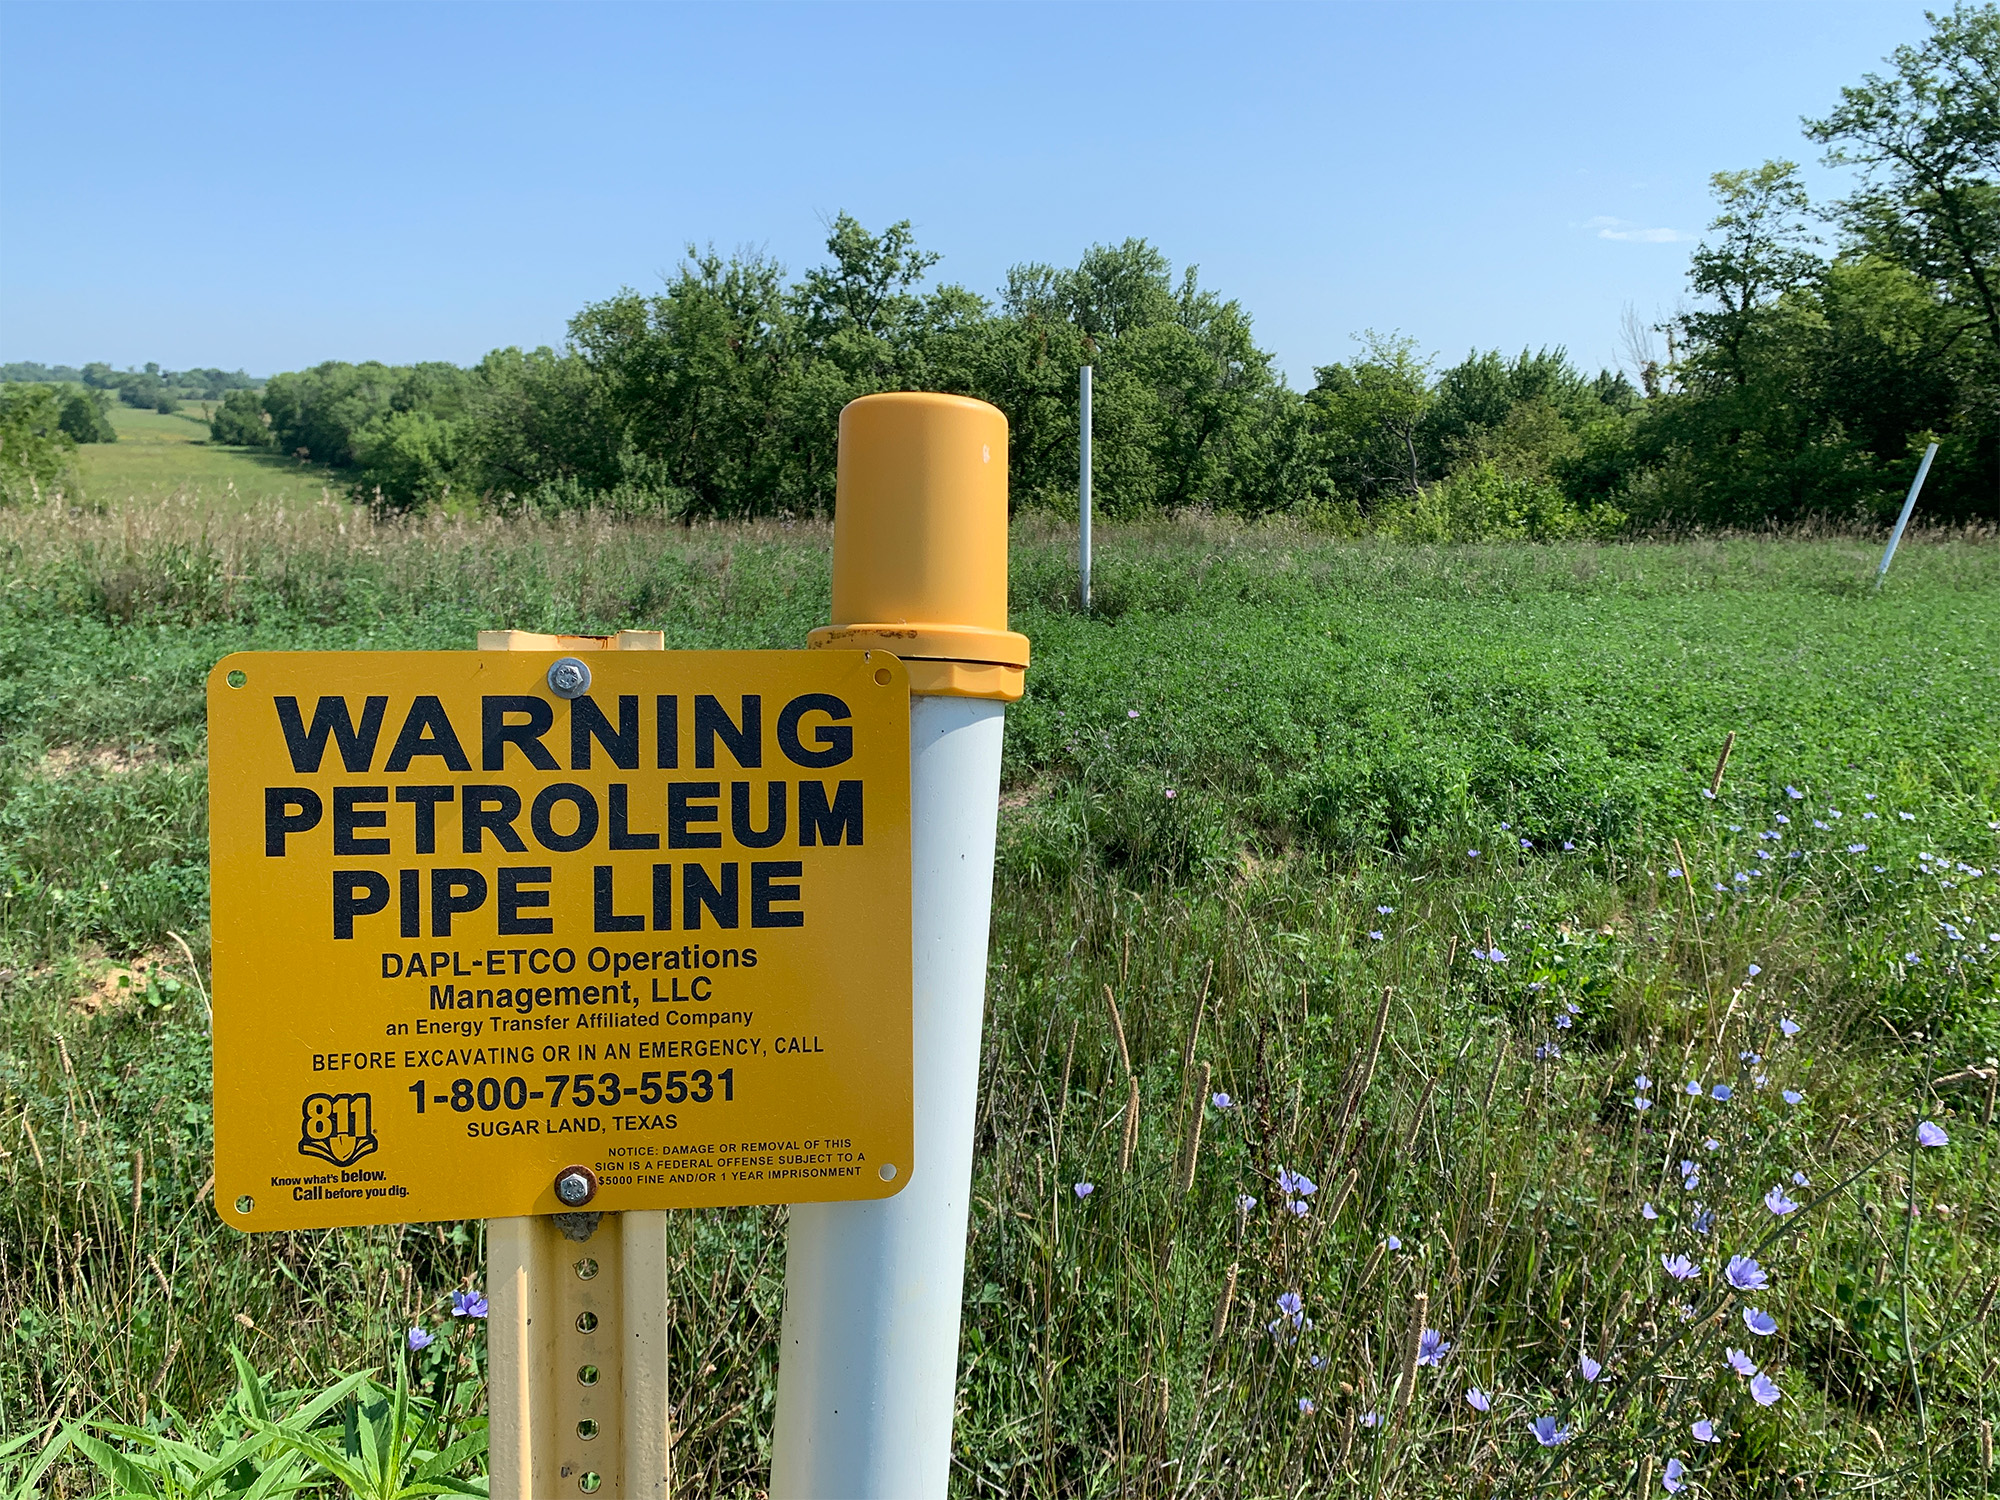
[[1728, 744], [1223, 1305], [1417, 1120], [1646, 1475], [1613, 1323], [1992, 1087], [1493, 1081], [1367, 1074], [1131, 1126], [1345, 1191], [1986, 1446], [1413, 1343], [1118, 1027], [1986, 1303], [1193, 1148], [1492, 1196], [1346, 1439], [1200, 1010], [1374, 1262]]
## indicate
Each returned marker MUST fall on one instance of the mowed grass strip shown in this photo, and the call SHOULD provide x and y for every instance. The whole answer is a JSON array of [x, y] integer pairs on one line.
[[158, 455]]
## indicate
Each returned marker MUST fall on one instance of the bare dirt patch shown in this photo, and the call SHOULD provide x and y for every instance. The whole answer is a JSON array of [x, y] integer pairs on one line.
[[109, 986], [115, 759]]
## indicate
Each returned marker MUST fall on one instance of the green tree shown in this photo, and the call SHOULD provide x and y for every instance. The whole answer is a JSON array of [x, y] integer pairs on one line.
[[35, 452], [1926, 140], [85, 416], [241, 421]]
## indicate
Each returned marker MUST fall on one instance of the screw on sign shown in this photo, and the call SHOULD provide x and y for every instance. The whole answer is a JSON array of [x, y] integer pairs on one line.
[[569, 678], [576, 1186]]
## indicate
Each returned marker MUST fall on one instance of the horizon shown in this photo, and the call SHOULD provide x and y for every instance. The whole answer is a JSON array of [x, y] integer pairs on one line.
[[1474, 196]]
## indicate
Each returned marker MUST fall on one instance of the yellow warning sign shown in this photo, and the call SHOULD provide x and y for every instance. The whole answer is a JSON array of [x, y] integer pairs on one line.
[[481, 917]]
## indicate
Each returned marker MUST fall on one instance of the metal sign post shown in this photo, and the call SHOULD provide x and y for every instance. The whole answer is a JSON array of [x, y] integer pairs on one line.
[[867, 1373], [577, 1397], [1909, 504], [1083, 488]]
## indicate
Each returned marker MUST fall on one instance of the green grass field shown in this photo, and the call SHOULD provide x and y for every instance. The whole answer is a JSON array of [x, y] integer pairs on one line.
[[157, 455], [1245, 797]]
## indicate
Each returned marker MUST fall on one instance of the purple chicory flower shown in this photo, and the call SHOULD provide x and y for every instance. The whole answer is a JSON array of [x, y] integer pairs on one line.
[[1793, 1096], [1477, 1399], [1703, 1222], [1746, 1275], [1704, 1431], [1085, 1189], [1741, 1362], [1220, 1101], [1778, 1203], [1674, 874], [1641, 1103], [1680, 1267], [1642, 1083], [421, 1340], [1568, 847], [1306, 1407], [1795, 794], [1298, 1207], [1432, 1347], [1711, 1144], [1244, 1203], [1371, 1419], [1547, 1433], [1472, 854], [1932, 1134], [1721, 1093], [468, 1305], [1647, 1211], [1383, 911], [1764, 1390], [1759, 1322], [1755, 970], [1790, 1027], [1801, 1179], [1131, 713], [1292, 1305], [1375, 936], [1589, 1368], [1693, 1088], [1675, 1477]]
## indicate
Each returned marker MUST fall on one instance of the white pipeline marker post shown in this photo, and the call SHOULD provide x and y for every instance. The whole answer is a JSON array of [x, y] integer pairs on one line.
[[868, 1363], [1083, 489], [868, 1357], [1909, 504]]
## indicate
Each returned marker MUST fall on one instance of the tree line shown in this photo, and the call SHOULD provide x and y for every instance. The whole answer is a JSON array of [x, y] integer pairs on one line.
[[1827, 343]]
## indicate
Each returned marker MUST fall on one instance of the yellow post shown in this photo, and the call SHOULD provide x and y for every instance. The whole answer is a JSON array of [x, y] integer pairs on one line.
[[577, 1312]]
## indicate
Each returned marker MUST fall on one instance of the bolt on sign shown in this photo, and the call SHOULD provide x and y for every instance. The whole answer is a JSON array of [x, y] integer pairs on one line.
[[483, 917]]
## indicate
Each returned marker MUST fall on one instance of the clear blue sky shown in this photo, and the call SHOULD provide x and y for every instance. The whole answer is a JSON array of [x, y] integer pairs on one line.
[[268, 186]]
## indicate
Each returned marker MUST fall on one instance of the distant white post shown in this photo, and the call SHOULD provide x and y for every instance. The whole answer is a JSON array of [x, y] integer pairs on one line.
[[1903, 520], [1083, 491]]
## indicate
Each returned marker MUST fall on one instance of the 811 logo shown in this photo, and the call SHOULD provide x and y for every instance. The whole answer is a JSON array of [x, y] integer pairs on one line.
[[338, 1128]]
